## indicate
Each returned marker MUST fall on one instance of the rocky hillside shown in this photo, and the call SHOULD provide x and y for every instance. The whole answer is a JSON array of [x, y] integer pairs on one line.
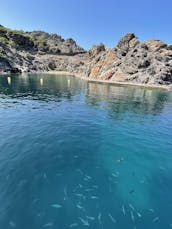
[[149, 62], [38, 51], [130, 61]]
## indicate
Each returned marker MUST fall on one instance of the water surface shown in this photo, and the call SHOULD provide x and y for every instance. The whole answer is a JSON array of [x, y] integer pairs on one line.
[[77, 154]]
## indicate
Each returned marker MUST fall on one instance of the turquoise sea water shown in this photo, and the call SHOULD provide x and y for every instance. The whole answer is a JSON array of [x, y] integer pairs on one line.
[[75, 154]]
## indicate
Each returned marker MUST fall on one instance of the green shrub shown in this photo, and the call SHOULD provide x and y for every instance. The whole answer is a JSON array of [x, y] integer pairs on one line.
[[12, 44], [4, 40]]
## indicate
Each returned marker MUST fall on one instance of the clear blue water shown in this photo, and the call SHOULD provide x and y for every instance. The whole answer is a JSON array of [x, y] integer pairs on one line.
[[75, 154]]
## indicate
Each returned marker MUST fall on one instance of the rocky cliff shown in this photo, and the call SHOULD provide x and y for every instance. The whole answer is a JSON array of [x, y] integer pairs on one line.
[[149, 62], [38, 51], [130, 61]]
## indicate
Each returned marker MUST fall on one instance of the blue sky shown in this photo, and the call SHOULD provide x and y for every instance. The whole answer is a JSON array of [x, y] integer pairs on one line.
[[91, 21]]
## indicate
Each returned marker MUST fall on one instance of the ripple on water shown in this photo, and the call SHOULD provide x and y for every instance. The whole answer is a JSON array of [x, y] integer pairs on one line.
[[76, 154]]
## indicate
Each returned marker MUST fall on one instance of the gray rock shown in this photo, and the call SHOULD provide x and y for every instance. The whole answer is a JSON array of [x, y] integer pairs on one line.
[[149, 62], [146, 63]]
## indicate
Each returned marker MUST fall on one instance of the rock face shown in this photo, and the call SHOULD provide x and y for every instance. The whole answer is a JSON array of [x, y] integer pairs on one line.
[[149, 62], [130, 61], [39, 51]]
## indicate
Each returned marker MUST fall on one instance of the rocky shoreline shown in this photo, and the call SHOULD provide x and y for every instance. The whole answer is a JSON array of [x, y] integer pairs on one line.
[[130, 84], [131, 62]]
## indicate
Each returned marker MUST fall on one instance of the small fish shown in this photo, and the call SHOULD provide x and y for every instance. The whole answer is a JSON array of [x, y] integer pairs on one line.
[[97, 167], [88, 177], [56, 206], [155, 219], [112, 218], [73, 225], [99, 217], [12, 224], [131, 206], [151, 210], [80, 171], [120, 160], [65, 192], [79, 195], [123, 210], [139, 215], [162, 168], [40, 214], [80, 207], [48, 225], [132, 216], [35, 200], [85, 222], [89, 189], [45, 176], [90, 217], [115, 175], [94, 197], [131, 191]]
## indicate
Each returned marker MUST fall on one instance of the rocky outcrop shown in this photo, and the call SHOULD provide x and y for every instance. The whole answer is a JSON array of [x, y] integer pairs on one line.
[[131, 61], [39, 51], [46, 43], [149, 62]]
